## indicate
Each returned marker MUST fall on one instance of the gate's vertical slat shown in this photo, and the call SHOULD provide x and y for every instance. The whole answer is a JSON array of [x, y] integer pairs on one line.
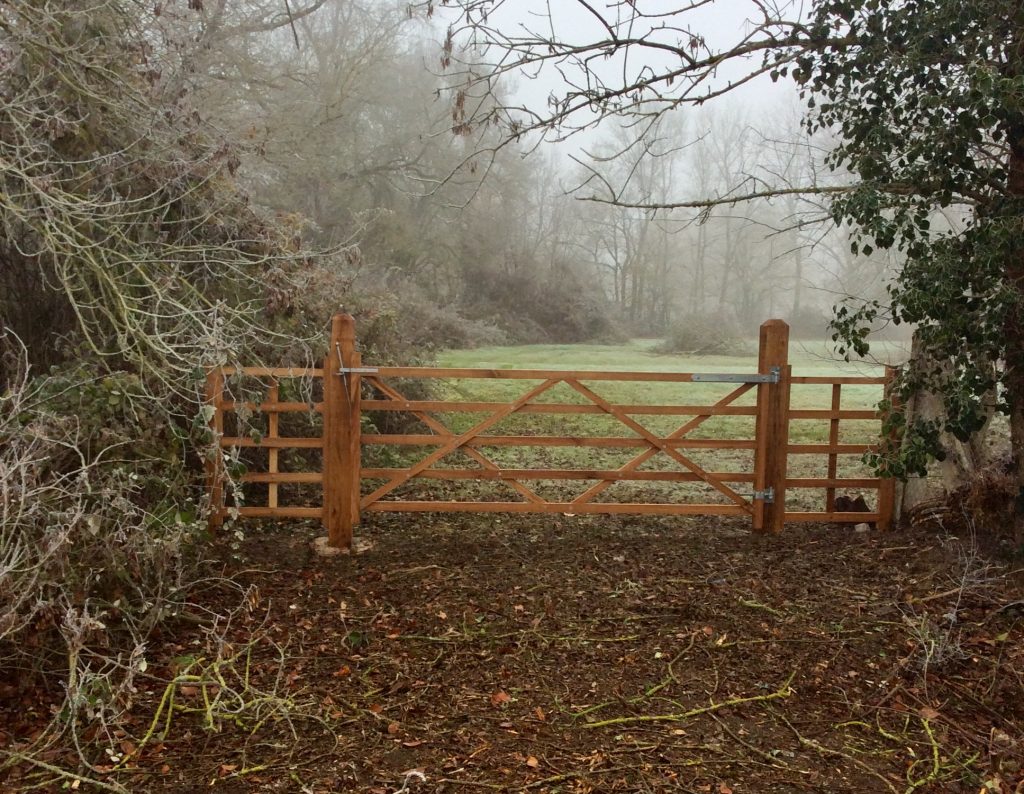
[[338, 512], [355, 439], [887, 485], [772, 437], [778, 467], [273, 431], [215, 462], [833, 439]]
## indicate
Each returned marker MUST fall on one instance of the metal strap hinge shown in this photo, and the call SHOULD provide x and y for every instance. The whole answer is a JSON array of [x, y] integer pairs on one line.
[[357, 370], [767, 495], [774, 375]]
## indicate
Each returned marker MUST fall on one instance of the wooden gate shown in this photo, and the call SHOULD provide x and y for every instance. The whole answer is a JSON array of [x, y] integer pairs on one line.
[[349, 389]]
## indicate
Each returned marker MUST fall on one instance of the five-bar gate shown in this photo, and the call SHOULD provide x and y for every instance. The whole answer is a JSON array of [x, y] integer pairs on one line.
[[349, 389]]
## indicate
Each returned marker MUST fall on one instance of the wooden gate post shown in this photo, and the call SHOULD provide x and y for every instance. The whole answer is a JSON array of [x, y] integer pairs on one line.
[[341, 439], [887, 485], [215, 464], [772, 433]]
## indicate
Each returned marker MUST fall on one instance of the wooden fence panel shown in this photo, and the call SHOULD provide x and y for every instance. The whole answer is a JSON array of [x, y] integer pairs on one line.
[[834, 449]]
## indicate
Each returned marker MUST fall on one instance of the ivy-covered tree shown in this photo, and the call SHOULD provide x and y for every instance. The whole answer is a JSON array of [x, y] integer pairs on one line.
[[928, 99]]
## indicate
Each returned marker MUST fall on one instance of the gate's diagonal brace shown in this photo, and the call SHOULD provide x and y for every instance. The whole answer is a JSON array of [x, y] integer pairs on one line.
[[457, 441], [647, 454], [445, 433], [659, 443]]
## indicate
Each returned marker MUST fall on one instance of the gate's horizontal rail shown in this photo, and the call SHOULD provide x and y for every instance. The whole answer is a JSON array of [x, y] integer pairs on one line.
[[273, 407], [454, 406], [560, 474], [853, 380], [272, 443], [832, 482], [572, 508], [840, 413], [557, 441], [535, 374], [281, 512], [275, 372], [283, 477], [830, 449]]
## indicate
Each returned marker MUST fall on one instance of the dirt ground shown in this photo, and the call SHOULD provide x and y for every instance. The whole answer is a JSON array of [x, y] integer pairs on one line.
[[591, 654]]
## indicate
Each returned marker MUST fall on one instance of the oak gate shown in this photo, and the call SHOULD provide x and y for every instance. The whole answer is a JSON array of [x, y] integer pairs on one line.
[[344, 391]]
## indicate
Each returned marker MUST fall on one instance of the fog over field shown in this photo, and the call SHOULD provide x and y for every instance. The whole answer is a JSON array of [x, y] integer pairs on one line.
[[347, 118]]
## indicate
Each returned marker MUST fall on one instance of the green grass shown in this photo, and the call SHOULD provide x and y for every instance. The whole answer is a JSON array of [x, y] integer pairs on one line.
[[806, 358]]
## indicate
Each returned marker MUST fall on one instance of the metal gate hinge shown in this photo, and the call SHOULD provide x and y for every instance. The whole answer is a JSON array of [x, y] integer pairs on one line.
[[767, 495], [774, 375], [357, 370]]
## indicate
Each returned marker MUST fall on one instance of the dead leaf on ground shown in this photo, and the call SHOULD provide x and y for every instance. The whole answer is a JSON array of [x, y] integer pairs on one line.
[[499, 697]]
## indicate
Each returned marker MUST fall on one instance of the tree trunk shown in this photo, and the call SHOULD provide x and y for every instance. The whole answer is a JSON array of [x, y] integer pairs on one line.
[[697, 292], [963, 459], [798, 279]]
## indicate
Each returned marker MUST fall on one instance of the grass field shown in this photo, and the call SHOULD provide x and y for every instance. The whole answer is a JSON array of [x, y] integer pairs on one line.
[[810, 359]]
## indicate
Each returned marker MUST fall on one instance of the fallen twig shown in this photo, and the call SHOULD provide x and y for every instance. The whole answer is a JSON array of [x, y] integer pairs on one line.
[[837, 753], [63, 773], [783, 692], [759, 605]]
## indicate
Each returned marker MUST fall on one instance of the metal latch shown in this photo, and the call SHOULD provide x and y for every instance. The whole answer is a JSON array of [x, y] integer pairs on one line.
[[774, 375], [767, 495], [357, 371]]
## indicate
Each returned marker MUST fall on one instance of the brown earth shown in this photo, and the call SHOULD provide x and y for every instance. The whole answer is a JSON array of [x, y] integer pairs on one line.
[[590, 654]]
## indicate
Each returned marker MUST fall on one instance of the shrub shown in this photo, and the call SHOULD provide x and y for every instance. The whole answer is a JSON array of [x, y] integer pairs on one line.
[[563, 308], [809, 324], [417, 327], [96, 539], [991, 498], [706, 335]]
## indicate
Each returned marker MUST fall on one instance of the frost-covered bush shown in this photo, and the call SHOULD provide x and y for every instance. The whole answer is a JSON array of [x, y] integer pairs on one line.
[[706, 335], [96, 536]]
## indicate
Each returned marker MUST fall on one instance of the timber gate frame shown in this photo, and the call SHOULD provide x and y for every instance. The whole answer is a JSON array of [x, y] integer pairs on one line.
[[341, 441]]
